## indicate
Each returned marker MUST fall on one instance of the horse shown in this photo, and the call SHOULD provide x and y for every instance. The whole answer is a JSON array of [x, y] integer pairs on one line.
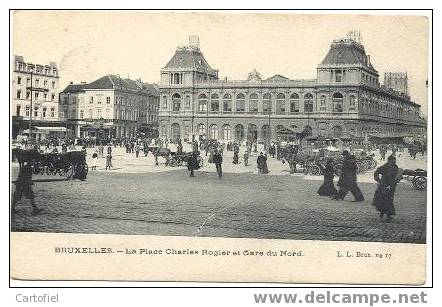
[[23, 156]]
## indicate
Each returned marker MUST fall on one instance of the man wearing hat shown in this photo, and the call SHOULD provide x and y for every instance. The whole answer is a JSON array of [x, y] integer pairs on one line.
[[347, 181]]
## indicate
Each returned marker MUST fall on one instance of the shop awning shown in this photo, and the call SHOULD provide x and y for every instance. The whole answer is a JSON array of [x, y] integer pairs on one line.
[[46, 130]]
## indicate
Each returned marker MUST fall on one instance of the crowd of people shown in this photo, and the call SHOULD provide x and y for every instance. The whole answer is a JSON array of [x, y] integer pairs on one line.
[[387, 175]]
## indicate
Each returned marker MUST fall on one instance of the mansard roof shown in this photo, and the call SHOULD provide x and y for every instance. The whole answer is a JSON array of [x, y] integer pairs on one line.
[[189, 58], [347, 51]]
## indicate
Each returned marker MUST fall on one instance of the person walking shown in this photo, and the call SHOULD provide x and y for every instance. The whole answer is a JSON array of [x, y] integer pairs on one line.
[[137, 150], [218, 160], [246, 158], [108, 161], [235, 153], [387, 177], [23, 187], [328, 188], [192, 164], [348, 180], [260, 161], [94, 161]]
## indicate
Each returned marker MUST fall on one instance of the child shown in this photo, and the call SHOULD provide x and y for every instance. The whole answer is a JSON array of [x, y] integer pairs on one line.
[[94, 161]]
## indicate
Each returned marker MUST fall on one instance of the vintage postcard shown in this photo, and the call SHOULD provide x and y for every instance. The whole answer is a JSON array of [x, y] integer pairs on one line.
[[220, 146]]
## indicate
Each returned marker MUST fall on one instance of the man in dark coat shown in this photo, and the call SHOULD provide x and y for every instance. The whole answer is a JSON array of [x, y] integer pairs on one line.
[[218, 160], [23, 187], [261, 161], [347, 180], [387, 177], [192, 164]]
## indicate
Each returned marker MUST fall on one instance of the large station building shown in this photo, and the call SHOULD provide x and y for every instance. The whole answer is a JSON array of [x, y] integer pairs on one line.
[[346, 100]]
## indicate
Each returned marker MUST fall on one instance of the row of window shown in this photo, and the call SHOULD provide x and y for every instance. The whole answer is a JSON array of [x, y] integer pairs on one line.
[[44, 111], [37, 95], [35, 83], [281, 108], [37, 68]]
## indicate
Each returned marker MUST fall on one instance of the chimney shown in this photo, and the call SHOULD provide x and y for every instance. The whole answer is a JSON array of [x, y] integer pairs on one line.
[[194, 41], [368, 60], [71, 82]]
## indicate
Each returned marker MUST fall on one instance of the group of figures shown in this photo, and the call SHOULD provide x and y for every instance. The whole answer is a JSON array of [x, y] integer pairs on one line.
[[387, 176]]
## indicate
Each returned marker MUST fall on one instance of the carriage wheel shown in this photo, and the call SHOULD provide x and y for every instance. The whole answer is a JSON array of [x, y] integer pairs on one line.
[[173, 162], [361, 167], [67, 170], [179, 162], [306, 169], [420, 183], [372, 164], [338, 169], [51, 169], [315, 170]]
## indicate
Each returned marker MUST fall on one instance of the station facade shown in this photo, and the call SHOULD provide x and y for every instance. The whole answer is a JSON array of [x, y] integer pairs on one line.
[[346, 100]]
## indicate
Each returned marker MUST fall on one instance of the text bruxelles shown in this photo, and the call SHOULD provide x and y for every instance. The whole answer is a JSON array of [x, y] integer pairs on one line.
[[180, 252]]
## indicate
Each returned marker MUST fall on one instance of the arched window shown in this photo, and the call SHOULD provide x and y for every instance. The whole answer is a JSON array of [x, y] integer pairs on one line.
[[252, 133], [265, 132], [308, 103], [164, 102], [202, 103], [240, 103], [338, 101], [214, 103], [267, 103], [176, 102], [227, 103], [323, 103], [280, 104], [227, 133], [213, 132], [294, 103], [201, 129], [253, 103], [239, 132], [352, 103]]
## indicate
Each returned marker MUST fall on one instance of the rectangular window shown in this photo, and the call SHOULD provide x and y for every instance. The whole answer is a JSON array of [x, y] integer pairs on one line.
[[74, 99], [338, 75], [53, 97], [45, 95], [108, 113], [53, 84], [91, 100], [99, 99], [98, 113], [28, 81], [35, 111], [18, 110], [52, 112], [37, 82], [19, 80], [27, 110], [90, 113], [81, 114], [18, 94], [36, 96], [45, 83], [65, 99], [108, 100], [28, 95], [44, 112], [74, 113]]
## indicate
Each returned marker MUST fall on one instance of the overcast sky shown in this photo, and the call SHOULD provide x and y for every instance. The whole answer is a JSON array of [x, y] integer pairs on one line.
[[88, 45]]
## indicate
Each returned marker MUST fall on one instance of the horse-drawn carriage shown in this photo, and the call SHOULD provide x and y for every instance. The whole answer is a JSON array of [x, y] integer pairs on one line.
[[180, 159], [63, 164], [417, 177]]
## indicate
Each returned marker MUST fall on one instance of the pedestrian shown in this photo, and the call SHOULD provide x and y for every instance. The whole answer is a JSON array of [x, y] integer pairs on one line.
[[137, 150], [94, 163], [192, 164], [108, 161], [64, 148], [328, 188], [260, 161], [109, 150], [266, 169], [348, 180], [23, 187], [101, 150], [387, 177], [218, 160], [246, 158], [235, 153]]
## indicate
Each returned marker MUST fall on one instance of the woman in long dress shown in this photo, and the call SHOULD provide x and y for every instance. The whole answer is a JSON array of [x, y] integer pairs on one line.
[[387, 176], [328, 188]]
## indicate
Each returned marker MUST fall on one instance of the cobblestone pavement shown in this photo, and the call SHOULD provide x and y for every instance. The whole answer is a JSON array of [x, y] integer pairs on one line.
[[139, 198]]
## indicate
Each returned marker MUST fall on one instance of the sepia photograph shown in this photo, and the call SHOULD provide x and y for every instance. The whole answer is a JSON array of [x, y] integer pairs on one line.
[[205, 125]]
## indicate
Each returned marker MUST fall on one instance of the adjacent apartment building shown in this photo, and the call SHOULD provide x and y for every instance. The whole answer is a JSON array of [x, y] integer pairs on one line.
[[345, 100], [110, 106], [39, 84]]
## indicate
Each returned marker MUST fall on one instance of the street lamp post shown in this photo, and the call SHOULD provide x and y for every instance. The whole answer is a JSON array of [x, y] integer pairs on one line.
[[30, 111]]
